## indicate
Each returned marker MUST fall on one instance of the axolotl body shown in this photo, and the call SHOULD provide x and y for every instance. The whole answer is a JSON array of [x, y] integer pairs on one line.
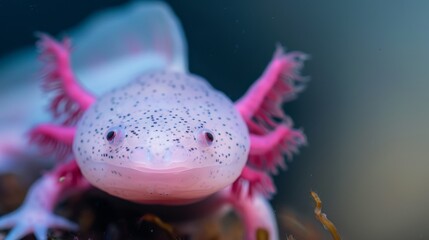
[[165, 137]]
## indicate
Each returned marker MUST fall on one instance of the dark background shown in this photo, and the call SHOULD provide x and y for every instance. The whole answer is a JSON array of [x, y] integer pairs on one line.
[[365, 110]]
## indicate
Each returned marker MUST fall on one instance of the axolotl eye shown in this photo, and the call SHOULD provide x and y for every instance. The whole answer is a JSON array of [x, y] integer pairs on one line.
[[115, 135], [204, 137]]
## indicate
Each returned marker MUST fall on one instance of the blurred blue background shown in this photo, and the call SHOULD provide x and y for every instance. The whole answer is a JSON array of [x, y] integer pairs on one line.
[[365, 110]]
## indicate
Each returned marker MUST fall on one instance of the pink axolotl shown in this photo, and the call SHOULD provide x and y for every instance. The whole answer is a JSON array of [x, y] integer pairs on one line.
[[164, 137]]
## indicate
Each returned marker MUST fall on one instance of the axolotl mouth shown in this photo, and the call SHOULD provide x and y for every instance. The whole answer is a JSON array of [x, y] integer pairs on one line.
[[171, 186], [164, 159]]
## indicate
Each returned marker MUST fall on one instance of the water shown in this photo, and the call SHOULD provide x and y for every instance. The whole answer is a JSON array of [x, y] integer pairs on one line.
[[364, 111]]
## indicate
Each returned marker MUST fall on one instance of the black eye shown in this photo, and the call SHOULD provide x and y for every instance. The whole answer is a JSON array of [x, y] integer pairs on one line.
[[204, 137], [115, 135], [111, 136]]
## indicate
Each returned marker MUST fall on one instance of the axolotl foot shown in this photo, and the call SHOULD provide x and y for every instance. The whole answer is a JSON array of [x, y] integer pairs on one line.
[[36, 213], [33, 219]]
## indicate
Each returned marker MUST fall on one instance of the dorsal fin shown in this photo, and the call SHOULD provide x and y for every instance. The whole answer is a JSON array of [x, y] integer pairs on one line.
[[120, 43]]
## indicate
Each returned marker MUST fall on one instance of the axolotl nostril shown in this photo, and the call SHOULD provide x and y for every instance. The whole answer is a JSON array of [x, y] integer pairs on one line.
[[165, 130], [161, 135]]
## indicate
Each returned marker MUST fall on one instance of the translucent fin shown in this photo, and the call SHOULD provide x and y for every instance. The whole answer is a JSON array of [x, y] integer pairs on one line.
[[118, 44], [21, 99], [22, 105]]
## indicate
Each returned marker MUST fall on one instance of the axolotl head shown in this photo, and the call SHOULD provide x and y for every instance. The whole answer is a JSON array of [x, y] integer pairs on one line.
[[166, 138]]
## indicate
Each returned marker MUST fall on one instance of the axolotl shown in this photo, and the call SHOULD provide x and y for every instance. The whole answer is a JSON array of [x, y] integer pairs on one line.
[[165, 137]]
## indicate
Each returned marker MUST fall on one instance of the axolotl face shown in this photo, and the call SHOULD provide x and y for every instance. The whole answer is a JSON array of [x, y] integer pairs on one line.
[[165, 138]]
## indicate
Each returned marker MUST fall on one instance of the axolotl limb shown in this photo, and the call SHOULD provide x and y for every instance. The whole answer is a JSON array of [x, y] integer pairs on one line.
[[166, 137]]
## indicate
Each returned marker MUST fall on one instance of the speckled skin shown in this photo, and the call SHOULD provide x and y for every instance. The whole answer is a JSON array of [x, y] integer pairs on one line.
[[159, 154]]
